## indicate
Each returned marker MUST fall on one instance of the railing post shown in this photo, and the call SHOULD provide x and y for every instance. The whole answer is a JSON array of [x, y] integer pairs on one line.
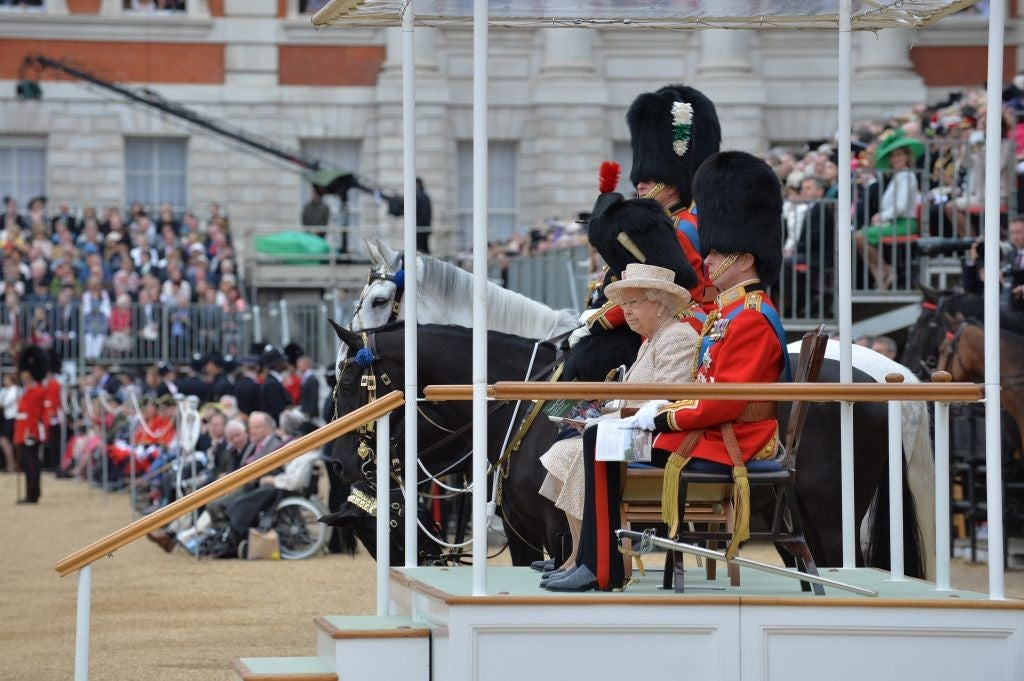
[[257, 325], [384, 514], [286, 330], [82, 623], [896, 570], [941, 487]]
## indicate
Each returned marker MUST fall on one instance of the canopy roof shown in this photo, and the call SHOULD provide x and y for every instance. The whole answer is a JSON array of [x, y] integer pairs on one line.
[[664, 14]]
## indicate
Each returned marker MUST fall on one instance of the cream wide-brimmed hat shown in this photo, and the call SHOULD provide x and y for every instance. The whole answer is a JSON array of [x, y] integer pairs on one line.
[[646, 277]]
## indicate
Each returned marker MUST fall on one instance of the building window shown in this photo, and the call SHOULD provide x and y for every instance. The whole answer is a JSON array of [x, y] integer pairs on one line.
[[502, 194], [154, 6], [16, 5], [342, 155], [155, 172], [22, 168]]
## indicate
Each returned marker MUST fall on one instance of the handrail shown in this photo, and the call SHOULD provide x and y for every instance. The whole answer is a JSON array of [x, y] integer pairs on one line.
[[777, 392], [232, 481]]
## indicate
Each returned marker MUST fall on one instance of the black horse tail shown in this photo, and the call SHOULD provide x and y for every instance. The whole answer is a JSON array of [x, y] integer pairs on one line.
[[878, 545]]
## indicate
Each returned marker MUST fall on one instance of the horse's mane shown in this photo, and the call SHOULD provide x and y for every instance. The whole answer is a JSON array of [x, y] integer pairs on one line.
[[507, 311]]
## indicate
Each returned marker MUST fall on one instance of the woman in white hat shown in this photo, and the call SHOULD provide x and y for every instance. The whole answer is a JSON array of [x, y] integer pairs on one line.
[[651, 302]]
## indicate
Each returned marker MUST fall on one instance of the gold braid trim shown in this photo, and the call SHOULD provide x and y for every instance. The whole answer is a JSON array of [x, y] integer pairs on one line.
[[599, 318], [654, 191], [670, 483], [740, 492]]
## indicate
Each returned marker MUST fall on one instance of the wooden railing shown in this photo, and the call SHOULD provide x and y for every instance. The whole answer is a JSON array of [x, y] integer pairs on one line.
[[815, 392], [230, 482]]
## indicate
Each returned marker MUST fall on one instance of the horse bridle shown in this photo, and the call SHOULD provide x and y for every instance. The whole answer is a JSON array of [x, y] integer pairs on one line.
[[381, 273], [952, 348]]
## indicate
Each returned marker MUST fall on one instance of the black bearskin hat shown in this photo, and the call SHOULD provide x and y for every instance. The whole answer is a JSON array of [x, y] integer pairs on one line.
[[33, 359], [293, 351], [740, 201], [637, 230], [651, 135]]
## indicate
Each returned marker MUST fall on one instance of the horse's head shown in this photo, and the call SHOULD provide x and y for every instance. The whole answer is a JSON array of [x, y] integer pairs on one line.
[[921, 352], [381, 298], [362, 378]]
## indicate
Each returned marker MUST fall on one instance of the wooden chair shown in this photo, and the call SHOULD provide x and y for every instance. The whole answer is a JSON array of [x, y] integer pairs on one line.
[[779, 475]]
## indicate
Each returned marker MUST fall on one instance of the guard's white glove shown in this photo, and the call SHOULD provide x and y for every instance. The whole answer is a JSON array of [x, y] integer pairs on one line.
[[578, 335], [644, 417], [584, 331], [589, 314]]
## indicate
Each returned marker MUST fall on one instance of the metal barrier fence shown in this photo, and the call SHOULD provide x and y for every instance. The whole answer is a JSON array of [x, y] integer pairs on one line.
[[143, 335]]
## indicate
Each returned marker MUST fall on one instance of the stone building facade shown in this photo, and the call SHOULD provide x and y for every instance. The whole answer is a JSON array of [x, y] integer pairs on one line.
[[558, 99]]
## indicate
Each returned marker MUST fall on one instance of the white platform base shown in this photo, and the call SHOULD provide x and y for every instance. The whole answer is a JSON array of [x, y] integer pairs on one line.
[[765, 630]]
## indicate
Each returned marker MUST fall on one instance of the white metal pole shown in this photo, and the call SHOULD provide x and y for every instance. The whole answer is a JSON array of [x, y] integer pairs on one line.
[[896, 569], [286, 329], [82, 623], [409, 298], [843, 237], [384, 514], [480, 207], [993, 430], [942, 496]]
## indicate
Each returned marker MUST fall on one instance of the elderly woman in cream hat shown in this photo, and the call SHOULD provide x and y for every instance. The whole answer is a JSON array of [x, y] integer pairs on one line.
[[651, 302]]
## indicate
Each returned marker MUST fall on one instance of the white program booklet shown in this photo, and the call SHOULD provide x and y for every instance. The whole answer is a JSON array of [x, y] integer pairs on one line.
[[615, 443]]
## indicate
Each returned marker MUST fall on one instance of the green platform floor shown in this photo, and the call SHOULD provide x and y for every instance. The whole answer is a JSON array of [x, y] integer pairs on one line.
[[521, 582]]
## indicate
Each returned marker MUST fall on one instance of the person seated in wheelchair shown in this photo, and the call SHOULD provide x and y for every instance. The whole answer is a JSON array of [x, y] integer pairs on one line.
[[742, 341], [226, 521]]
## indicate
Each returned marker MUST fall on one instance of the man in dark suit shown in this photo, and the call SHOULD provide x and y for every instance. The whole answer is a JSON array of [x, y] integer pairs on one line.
[[247, 388], [309, 400], [189, 383], [63, 322], [810, 264], [261, 436], [273, 396], [215, 371]]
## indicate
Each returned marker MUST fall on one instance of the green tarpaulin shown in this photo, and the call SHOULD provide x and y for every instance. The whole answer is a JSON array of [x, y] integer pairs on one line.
[[293, 247]]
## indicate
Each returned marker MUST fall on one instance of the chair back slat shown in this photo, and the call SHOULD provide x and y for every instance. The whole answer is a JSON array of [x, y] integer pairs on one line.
[[812, 356]]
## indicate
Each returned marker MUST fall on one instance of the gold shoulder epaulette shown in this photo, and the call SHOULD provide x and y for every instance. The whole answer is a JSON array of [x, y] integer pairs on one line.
[[753, 300]]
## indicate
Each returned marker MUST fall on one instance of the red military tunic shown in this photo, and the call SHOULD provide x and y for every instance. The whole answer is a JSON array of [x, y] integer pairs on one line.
[[704, 291], [745, 350], [29, 425], [52, 403]]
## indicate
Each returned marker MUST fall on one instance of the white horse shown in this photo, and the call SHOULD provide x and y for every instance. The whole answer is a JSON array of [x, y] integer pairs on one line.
[[444, 292], [443, 295], [917, 443]]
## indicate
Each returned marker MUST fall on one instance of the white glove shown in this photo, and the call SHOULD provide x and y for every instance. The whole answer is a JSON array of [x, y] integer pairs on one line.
[[589, 314], [578, 335], [645, 415]]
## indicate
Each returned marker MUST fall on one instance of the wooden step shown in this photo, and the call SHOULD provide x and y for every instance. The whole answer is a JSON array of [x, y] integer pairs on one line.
[[340, 627], [371, 648], [282, 669]]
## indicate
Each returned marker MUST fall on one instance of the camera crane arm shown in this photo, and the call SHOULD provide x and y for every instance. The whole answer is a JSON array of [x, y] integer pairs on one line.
[[325, 180]]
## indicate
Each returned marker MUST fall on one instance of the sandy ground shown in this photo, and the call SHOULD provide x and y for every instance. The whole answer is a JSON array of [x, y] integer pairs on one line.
[[159, 617]]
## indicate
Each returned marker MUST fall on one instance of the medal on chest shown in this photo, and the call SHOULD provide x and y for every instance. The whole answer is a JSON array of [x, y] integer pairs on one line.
[[717, 331]]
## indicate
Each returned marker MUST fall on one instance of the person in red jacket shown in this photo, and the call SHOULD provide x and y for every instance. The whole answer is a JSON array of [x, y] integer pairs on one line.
[[672, 132], [29, 428], [742, 341], [53, 412]]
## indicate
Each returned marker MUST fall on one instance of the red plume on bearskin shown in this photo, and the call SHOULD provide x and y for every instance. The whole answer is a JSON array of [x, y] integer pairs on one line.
[[608, 177]]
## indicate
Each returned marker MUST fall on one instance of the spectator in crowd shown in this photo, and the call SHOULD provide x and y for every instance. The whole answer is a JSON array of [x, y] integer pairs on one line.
[[239, 447], [262, 436], [273, 396], [885, 346], [424, 217], [247, 388], [9, 396], [316, 213], [310, 393]]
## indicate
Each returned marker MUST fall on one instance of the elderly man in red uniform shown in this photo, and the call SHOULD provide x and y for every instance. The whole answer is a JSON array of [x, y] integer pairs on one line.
[[29, 428], [742, 341]]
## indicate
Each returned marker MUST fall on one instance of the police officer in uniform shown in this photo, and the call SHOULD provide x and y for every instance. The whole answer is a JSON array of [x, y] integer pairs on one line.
[[742, 341], [273, 396]]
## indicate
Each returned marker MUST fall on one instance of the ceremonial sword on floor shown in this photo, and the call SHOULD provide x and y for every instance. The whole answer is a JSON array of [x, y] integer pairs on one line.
[[646, 541]]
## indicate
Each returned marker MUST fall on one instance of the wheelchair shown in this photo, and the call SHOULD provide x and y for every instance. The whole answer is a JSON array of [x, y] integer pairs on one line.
[[295, 518]]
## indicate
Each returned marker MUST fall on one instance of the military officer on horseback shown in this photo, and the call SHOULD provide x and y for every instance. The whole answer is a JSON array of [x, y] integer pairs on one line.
[[742, 341]]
